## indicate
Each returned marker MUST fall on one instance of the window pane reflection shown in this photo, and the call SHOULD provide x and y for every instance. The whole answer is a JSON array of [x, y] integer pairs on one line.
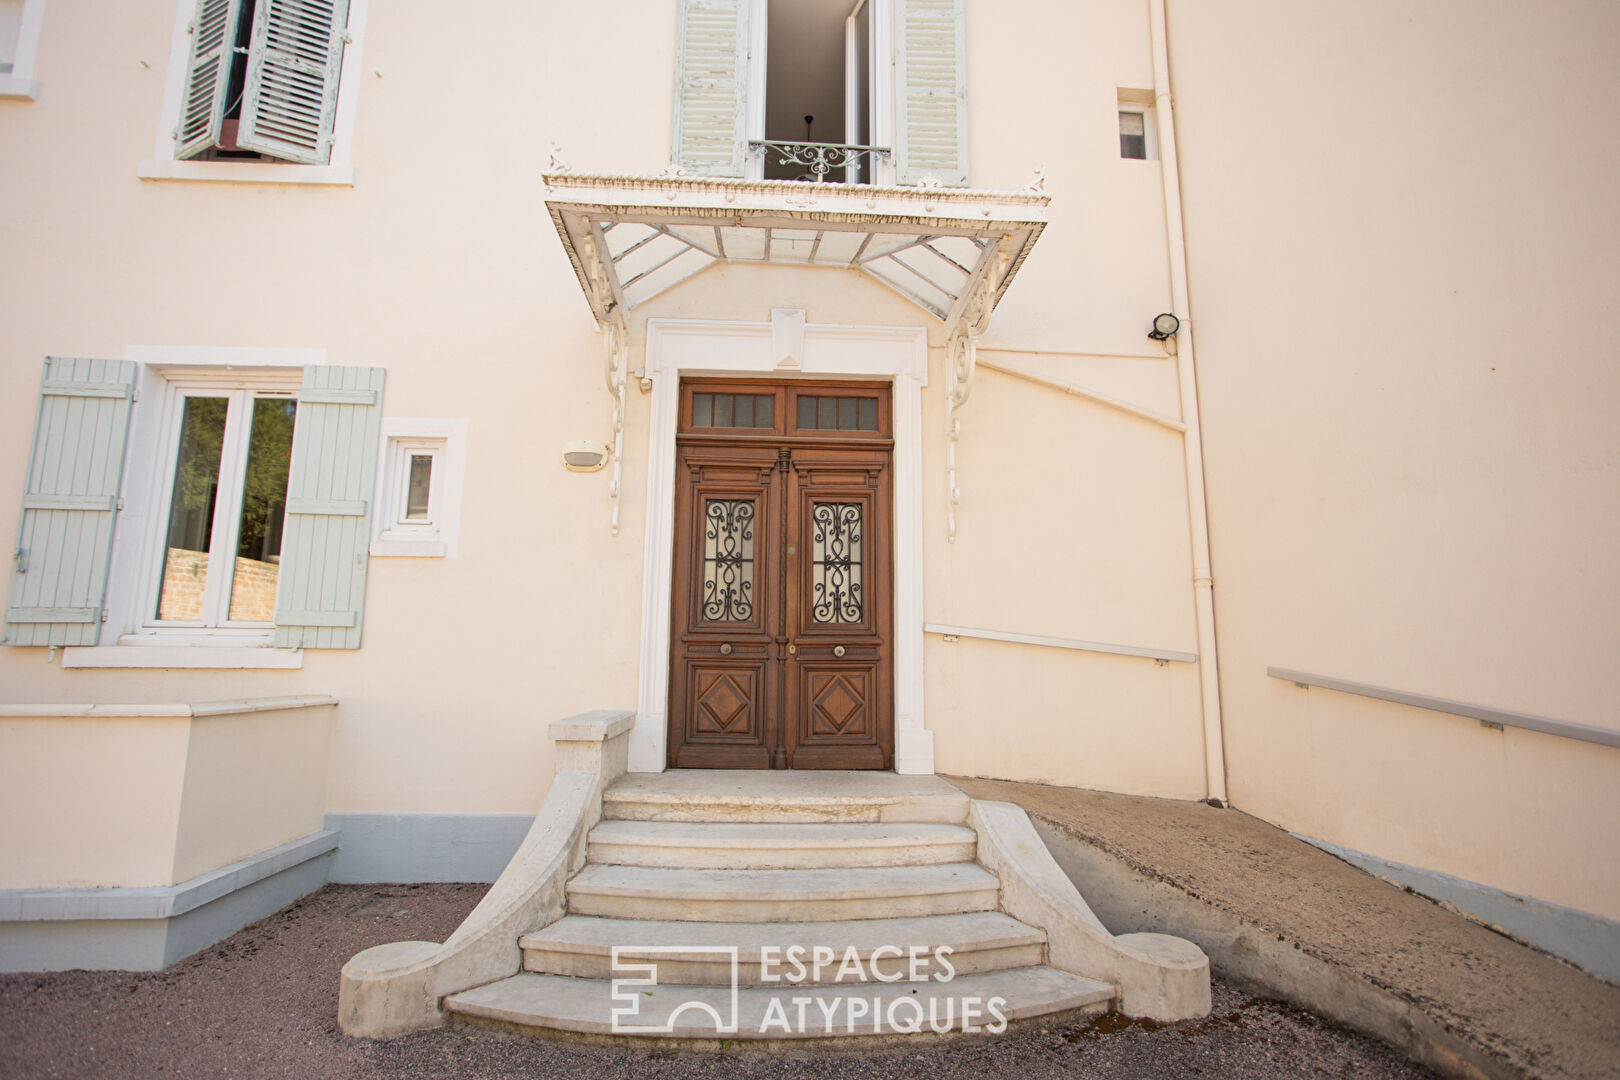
[[264, 508], [191, 509]]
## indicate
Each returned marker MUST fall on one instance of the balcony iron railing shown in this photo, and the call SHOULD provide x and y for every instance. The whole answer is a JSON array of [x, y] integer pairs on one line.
[[821, 158]]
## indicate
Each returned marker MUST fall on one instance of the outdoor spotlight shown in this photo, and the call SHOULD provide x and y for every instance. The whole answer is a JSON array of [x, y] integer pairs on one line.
[[583, 455], [1164, 326]]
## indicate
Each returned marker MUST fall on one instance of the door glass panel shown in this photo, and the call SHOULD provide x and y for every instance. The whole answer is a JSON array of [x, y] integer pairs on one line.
[[817, 413], [191, 508], [728, 560], [264, 508], [733, 411], [835, 562]]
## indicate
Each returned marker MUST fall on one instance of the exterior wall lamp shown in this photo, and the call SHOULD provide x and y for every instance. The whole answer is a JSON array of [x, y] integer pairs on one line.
[[583, 455], [1164, 326]]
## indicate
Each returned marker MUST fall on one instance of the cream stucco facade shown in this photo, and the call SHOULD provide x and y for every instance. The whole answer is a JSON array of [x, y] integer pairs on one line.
[[1399, 238]]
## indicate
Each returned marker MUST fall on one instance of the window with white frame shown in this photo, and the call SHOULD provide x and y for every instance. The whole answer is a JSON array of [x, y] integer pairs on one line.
[[243, 488], [419, 488], [19, 40], [1138, 131], [256, 86], [215, 561], [868, 91]]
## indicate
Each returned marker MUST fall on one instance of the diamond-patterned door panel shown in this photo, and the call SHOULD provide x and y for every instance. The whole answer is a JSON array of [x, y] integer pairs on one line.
[[837, 705], [725, 703]]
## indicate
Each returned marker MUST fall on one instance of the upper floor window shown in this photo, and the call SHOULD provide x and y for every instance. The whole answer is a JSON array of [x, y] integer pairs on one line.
[[260, 84], [852, 91]]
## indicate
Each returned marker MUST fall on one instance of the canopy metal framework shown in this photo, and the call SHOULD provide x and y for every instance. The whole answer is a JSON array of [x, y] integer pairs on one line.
[[950, 251]]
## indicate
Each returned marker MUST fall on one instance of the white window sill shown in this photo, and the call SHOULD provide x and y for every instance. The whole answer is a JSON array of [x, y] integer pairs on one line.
[[182, 656], [21, 89], [245, 172], [421, 549]]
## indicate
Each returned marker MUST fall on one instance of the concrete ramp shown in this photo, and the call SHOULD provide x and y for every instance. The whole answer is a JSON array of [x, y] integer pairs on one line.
[[1291, 921]]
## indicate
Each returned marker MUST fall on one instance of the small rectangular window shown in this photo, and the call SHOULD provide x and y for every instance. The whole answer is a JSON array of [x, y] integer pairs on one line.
[[1132, 135], [419, 488], [1138, 130]]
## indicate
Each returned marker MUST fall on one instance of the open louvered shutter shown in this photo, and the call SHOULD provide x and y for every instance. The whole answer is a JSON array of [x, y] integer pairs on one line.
[[70, 503], [710, 131], [213, 35], [294, 59], [327, 536], [930, 70]]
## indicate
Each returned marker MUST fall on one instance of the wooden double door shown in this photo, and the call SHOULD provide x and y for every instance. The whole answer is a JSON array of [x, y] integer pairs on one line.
[[781, 644]]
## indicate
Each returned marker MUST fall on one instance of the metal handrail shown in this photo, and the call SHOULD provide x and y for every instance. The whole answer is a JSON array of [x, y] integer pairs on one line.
[[822, 158], [1498, 718], [1161, 655]]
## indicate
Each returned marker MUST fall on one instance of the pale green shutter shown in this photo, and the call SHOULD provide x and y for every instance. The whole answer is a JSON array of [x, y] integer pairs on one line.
[[930, 75], [70, 503], [710, 131], [213, 35], [294, 59], [324, 546]]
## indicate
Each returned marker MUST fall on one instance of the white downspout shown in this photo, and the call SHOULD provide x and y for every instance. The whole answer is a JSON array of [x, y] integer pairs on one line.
[[1181, 347]]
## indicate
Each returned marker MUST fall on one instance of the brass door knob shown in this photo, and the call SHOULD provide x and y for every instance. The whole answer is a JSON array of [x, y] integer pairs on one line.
[[725, 650], [838, 650]]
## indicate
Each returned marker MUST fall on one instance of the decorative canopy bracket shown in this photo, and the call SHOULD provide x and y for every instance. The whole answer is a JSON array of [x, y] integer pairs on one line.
[[961, 363], [615, 330], [616, 344]]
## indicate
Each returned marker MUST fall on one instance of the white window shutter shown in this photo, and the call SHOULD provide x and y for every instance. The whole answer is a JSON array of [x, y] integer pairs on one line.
[[213, 36], [70, 504], [930, 75], [294, 59], [324, 544], [710, 130]]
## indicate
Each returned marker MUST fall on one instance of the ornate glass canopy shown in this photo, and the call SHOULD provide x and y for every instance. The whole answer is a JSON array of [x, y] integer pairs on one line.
[[631, 238]]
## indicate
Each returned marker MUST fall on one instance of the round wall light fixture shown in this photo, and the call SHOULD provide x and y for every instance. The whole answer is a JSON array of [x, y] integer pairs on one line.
[[1164, 326], [583, 455]]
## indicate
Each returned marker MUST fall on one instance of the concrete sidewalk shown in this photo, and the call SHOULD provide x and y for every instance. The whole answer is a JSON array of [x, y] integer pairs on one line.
[[1290, 920]]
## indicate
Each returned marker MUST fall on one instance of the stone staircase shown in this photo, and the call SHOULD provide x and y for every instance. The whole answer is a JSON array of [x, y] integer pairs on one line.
[[858, 892]]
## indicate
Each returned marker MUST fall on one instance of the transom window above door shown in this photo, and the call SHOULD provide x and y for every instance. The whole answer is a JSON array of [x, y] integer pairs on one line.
[[814, 410]]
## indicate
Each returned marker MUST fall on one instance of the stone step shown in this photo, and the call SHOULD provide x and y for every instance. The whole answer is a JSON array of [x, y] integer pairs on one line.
[[586, 1006], [781, 795], [756, 846], [699, 954], [758, 896]]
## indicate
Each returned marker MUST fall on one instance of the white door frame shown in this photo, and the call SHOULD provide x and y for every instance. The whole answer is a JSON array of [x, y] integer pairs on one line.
[[786, 346]]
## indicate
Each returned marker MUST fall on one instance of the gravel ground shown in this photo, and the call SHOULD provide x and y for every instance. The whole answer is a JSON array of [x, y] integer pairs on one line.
[[263, 1004]]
